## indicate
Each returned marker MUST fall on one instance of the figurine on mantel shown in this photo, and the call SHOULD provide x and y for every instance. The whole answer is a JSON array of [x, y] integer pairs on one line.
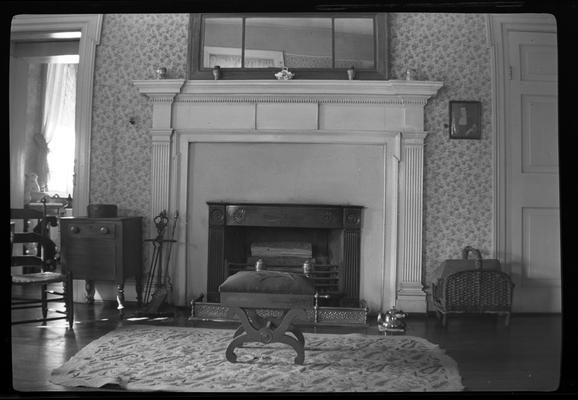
[[284, 74]]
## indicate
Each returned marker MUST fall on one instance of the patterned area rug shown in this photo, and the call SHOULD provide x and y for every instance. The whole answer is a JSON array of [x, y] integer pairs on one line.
[[181, 359]]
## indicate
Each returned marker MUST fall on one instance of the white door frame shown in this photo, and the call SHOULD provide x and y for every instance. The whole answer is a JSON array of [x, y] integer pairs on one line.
[[35, 27], [498, 27]]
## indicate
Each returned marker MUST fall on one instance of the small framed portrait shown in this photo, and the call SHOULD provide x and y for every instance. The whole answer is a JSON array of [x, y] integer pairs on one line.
[[465, 120]]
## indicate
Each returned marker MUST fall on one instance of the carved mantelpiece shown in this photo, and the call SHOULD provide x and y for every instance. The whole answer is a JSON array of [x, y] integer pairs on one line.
[[387, 114]]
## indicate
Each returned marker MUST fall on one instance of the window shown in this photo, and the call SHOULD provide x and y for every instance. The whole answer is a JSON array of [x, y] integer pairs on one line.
[[47, 77], [312, 46]]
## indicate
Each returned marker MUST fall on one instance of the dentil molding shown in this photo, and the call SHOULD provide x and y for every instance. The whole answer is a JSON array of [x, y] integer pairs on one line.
[[292, 91]]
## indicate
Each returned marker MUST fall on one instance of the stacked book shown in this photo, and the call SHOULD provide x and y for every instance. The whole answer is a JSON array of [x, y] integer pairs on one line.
[[281, 249], [281, 253]]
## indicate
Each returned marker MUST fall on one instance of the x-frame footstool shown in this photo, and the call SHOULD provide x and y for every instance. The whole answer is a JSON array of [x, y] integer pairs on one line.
[[247, 291]]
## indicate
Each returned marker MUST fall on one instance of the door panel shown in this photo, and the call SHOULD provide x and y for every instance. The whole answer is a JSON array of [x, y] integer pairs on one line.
[[538, 63], [540, 150], [541, 246], [533, 218]]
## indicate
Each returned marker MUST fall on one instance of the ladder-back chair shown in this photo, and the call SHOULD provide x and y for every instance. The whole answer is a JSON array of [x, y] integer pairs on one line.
[[39, 268]]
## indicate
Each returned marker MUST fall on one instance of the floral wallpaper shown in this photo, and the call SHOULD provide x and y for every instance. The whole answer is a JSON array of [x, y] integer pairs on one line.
[[458, 190], [132, 46], [451, 48]]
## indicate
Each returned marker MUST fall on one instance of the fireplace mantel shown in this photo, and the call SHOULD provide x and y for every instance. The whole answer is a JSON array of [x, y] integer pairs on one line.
[[424, 89], [387, 114]]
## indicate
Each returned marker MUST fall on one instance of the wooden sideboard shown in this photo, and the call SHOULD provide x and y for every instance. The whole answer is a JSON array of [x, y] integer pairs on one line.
[[103, 249]]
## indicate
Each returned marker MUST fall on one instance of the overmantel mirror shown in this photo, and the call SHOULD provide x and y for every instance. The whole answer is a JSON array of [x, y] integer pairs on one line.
[[312, 46]]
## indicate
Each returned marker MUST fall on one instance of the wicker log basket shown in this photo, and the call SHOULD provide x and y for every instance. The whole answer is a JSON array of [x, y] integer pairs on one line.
[[472, 286]]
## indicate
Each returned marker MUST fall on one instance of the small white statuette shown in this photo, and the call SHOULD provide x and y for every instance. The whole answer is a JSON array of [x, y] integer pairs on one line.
[[284, 75]]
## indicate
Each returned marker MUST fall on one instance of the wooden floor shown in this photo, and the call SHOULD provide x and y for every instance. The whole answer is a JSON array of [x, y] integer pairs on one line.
[[523, 357]]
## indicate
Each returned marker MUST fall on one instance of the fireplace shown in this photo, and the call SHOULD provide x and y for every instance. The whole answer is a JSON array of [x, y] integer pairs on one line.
[[197, 124], [283, 237]]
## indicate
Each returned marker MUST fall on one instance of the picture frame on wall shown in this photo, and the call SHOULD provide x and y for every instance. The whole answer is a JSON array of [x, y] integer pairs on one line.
[[465, 119]]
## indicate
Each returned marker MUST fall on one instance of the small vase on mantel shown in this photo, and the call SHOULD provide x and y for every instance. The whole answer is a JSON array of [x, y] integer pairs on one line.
[[410, 74], [351, 73], [216, 72], [161, 73]]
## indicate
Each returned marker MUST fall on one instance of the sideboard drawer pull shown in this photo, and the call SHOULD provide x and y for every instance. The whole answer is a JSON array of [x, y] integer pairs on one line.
[[104, 230], [74, 229]]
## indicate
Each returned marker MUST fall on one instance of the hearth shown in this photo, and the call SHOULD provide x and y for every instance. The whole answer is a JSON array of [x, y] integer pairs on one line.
[[283, 237]]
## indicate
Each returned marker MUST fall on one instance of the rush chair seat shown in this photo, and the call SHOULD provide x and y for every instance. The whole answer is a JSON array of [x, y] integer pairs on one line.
[[38, 271], [247, 291]]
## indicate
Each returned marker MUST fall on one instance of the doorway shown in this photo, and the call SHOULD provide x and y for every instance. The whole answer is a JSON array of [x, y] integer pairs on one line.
[[82, 31], [52, 27]]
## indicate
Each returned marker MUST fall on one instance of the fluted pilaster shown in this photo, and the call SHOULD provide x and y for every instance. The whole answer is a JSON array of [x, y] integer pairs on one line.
[[162, 93], [410, 294], [160, 171]]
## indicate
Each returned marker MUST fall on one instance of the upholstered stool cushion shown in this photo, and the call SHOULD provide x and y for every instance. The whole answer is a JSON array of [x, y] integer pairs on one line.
[[267, 289], [247, 291]]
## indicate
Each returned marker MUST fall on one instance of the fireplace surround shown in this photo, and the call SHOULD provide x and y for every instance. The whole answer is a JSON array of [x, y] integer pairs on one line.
[[188, 116]]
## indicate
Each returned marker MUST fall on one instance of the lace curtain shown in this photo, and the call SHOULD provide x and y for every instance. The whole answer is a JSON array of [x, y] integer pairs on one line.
[[54, 146]]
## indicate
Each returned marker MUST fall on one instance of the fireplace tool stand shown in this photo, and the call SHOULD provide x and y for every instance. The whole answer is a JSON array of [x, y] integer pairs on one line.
[[155, 300]]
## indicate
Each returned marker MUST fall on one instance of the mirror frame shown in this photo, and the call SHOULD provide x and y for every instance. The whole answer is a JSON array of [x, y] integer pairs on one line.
[[196, 38]]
